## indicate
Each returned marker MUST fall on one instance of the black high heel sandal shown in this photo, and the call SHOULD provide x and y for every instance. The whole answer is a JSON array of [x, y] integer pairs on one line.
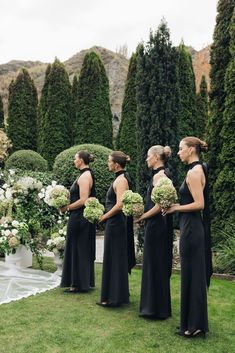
[[195, 334]]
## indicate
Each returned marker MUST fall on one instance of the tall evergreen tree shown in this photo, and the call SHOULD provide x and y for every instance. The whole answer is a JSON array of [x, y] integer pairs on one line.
[[187, 120], [93, 116], [126, 138], [202, 107], [55, 113], [42, 108], [74, 106], [157, 98], [220, 57], [22, 112], [1, 114], [225, 183]]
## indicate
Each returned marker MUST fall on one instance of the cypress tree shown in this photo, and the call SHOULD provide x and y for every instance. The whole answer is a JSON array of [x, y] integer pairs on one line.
[[1, 114], [157, 98], [42, 108], [93, 114], [22, 112], [74, 106], [126, 138], [225, 183], [202, 107], [220, 57], [187, 120], [55, 113]]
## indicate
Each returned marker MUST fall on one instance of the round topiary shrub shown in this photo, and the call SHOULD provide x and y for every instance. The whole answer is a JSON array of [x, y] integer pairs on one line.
[[27, 160], [65, 171]]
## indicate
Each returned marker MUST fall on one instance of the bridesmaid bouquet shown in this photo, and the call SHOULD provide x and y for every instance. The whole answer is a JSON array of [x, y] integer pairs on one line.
[[132, 204], [55, 195], [93, 210], [164, 193]]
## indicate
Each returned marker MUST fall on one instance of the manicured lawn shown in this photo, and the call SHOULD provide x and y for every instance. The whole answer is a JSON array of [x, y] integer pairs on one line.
[[55, 322]]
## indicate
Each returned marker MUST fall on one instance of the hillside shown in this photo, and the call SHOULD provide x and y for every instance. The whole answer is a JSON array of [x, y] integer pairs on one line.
[[116, 67]]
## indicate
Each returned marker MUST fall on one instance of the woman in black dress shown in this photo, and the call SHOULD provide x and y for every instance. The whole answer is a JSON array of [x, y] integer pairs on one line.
[[195, 254], [115, 289], [79, 257], [155, 302]]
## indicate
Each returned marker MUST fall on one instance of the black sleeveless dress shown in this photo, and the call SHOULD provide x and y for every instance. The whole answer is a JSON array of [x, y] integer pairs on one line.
[[115, 288], [79, 257], [155, 301], [193, 267]]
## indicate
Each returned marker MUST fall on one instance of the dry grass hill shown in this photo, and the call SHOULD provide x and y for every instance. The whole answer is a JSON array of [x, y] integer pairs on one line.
[[116, 66]]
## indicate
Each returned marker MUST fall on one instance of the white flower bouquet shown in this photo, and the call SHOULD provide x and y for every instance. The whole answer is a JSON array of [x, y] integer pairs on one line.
[[164, 193], [12, 234], [55, 195], [93, 210], [132, 204]]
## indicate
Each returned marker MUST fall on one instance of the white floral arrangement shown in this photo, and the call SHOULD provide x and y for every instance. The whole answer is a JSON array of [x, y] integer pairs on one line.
[[26, 184], [12, 234], [56, 243], [55, 195], [164, 193], [132, 204], [93, 210]]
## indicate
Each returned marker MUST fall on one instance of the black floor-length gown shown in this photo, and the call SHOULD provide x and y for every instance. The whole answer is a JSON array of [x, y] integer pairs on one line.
[[79, 257], [193, 267], [155, 301], [115, 288]]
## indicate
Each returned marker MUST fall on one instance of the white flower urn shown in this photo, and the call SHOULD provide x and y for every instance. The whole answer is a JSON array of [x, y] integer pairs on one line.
[[23, 257]]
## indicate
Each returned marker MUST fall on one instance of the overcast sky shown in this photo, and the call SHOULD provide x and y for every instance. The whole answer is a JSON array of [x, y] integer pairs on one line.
[[43, 29]]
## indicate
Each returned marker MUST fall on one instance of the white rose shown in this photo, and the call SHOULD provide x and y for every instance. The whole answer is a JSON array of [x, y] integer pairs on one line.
[[53, 183], [11, 171], [7, 232], [8, 194], [14, 231], [5, 186], [59, 221], [40, 195], [5, 225], [61, 231], [15, 223]]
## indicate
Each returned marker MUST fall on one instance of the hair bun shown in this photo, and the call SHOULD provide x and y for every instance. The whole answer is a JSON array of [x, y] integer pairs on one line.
[[91, 158], [203, 146], [167, 151]]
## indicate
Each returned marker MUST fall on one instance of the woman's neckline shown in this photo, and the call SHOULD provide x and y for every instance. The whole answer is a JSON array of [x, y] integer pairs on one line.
[[84, 169], [120, 172], [191, 165], [155, 171]]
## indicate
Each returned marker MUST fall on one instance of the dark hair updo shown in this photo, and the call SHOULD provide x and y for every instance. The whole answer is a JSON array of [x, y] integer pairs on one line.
[[199, 145], [85, 156], [120, 157]]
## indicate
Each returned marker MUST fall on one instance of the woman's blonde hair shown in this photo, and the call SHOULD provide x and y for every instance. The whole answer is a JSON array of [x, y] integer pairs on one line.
[[163, 152]]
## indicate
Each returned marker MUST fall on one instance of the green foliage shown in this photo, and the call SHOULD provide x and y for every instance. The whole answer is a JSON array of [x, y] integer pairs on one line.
[[74, 106], [45, 177], [187, 115], [219, 60], [224, 186], [22, 112], [1, 114], [187, 120], [27, 160], [202, 108], [225, 251], [93, 113], [126, 138], [55, 113], [157, 99], [42, 108], [65, 172]]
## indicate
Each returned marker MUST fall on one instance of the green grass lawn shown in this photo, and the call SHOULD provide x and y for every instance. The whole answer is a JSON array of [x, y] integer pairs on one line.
[[55, 322]]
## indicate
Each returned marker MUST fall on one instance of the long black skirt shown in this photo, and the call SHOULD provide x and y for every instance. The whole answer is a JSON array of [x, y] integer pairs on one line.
[[115, 289], [78, 267], [155, 287]]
